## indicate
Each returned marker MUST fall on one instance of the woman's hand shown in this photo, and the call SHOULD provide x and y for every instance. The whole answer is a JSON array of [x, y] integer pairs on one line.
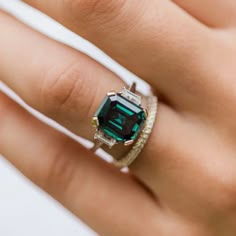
[[184, 181]]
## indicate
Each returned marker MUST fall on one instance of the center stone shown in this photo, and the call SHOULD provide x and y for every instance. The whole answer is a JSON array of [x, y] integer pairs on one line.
[[120, 118]]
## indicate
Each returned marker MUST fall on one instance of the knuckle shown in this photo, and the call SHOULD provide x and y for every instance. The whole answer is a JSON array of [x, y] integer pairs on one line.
[[64, 92], [61, 174], [96, 11], [226, 197]]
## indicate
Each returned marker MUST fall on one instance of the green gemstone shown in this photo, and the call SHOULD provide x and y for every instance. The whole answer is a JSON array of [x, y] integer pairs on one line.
[[120, 118]]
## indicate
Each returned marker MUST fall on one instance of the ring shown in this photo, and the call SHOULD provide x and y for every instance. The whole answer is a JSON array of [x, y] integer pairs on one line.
[[121, 119]]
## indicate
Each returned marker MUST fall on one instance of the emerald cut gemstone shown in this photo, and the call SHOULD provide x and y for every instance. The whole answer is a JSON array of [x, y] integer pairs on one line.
[[120, 118]]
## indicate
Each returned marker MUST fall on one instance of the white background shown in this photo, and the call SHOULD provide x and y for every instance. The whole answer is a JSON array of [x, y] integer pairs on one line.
[[24, 209]]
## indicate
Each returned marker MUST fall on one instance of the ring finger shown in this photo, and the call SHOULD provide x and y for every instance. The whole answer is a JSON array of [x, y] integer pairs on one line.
[[60, 82], [55, 79]]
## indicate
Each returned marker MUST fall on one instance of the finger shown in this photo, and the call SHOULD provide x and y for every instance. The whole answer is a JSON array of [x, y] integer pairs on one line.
[[168, 137], [214, 13], [58, 81], [189, 168], [155, 39], [30, 81], [101, 196]]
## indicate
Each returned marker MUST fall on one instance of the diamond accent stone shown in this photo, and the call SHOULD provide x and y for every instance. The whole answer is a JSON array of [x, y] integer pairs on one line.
[[131, 96], [104, 138]]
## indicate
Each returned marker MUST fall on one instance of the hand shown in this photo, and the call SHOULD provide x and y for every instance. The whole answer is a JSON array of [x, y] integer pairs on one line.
[[184, 181]]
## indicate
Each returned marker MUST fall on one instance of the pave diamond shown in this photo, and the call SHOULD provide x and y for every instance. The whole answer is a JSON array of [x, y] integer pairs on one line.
[[120, 118]]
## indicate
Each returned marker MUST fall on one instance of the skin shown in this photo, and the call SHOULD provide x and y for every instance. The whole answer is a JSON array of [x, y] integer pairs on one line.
[[185, 178]]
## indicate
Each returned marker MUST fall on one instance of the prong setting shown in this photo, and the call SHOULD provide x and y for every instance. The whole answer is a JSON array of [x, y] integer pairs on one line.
[[111, 94], [95, 122], [145, 112], [119, 118]]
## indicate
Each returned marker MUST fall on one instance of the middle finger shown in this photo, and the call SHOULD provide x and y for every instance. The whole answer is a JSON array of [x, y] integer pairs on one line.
[[157, 40]]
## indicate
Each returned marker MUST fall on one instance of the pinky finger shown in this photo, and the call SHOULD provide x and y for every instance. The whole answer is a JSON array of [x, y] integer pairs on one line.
[[100, 195]]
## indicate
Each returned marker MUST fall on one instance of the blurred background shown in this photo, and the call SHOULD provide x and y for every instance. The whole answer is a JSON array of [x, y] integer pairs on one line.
[[24, 209]]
